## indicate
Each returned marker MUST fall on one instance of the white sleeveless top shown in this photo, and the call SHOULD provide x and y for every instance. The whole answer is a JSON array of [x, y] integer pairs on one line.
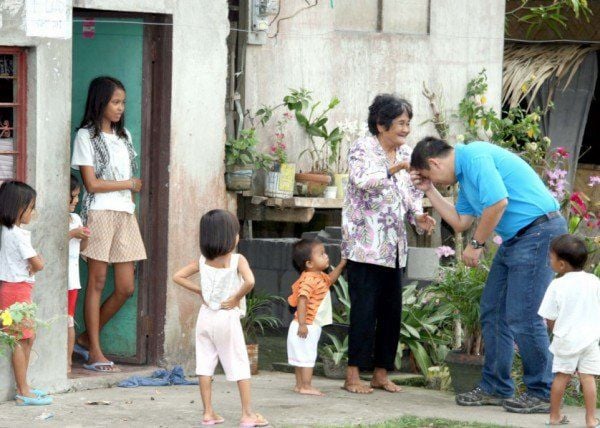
[[218, 284]]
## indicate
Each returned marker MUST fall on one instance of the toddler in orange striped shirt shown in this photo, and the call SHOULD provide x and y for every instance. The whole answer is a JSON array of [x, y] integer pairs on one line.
[[311, 297]]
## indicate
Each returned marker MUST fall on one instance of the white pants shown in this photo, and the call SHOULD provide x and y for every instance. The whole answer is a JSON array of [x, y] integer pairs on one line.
[[219, 337], [586, 361], [303, 352]]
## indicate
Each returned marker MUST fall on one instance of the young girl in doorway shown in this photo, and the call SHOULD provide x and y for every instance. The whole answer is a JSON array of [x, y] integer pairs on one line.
[[225, 278], [18, 264], [78, 241], [104, 154]]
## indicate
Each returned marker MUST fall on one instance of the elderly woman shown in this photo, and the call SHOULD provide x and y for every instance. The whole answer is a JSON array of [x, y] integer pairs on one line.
[[378, 198]]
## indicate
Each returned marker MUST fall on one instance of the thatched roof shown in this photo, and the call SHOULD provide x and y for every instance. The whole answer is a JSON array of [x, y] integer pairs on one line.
[[528, 66]]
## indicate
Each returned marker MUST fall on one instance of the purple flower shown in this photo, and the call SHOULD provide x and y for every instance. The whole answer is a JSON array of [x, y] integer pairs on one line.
[[444, 251], [388, 220], [594, 180], [497, 240]]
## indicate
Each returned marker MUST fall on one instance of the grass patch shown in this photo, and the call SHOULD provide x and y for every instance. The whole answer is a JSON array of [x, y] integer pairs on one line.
[[415, 422]]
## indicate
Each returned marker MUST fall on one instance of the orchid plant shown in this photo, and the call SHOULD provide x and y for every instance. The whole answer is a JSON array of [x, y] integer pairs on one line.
[[279, 146]]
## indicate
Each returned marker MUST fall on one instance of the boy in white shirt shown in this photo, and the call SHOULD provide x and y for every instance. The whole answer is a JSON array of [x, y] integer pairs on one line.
[[571, 307]]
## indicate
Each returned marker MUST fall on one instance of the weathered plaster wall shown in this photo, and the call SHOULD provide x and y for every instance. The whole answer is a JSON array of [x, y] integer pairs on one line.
[[340, 52], [48, 118], [197, 151]]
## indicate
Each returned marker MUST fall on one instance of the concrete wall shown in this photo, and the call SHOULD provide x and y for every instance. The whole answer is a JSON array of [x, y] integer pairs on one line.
[[197, 149], [48, 114], [342, 52]]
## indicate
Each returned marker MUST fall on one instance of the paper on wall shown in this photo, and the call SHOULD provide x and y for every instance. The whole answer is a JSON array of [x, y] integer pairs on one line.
[[47, 18]]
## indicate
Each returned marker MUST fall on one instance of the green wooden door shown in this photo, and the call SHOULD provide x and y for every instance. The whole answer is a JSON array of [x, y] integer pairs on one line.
[[115, 50]]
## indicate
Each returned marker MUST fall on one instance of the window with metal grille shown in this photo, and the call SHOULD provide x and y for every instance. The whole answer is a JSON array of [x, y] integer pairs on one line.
[[13, 97]]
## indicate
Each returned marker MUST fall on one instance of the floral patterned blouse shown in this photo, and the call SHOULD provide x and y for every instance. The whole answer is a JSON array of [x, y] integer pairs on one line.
[[375, 206]]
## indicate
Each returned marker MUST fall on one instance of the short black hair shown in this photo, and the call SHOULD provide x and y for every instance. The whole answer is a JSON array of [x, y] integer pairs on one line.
[[384, 109], [427, 148], [219, 230], [15, 198], [74, 183], [571, 249], [302, 251]]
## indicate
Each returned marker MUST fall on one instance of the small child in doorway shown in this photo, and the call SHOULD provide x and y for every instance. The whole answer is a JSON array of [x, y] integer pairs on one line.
[[311, 297], [78, 240], [225, 279], [571, 307]]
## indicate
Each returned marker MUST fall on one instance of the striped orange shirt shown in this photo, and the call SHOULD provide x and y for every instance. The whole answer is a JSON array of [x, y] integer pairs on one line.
[[313, 285]]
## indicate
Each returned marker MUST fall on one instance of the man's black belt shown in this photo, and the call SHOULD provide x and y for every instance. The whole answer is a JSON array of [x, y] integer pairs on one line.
[[541, 219]]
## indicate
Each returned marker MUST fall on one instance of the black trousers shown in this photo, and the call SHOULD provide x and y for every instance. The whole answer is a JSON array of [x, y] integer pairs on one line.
[[375, 315]]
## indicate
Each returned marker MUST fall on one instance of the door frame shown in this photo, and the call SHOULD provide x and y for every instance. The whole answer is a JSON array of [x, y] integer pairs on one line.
[[154, 198]]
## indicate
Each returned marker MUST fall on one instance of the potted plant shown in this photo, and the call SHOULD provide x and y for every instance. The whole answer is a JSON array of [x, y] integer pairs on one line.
[[257, 318], [351, 130], [335, 357], [461, 287], [279, 181], [242, 159]]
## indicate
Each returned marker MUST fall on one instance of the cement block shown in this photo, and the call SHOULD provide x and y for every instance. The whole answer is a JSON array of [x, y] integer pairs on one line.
[[422, 264]]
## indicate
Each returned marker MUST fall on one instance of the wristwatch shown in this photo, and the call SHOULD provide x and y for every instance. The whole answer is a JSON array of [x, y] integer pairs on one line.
[[476, 244]]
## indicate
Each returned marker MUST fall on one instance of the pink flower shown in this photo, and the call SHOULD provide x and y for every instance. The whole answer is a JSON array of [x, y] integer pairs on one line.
[[288, 115], [562, 152], [594, 180], [497, 240], [444, 251]]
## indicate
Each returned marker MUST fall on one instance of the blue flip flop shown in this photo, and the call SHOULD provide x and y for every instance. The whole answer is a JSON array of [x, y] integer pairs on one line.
[[95, 367], [81, 351], [33, 401], [39, 392]]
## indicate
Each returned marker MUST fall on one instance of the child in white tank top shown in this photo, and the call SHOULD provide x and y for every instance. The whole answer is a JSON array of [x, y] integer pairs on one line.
[[225, 279]]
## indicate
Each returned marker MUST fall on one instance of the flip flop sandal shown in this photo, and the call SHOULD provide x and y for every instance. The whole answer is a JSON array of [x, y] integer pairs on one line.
[[95, 367], [217, 421], [39, 392], [355, 390], [33, 401], [259, 421], [81, 351], [564, 421]]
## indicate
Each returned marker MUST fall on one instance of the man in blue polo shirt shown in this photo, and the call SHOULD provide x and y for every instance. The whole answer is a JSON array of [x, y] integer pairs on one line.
[[506, 195]]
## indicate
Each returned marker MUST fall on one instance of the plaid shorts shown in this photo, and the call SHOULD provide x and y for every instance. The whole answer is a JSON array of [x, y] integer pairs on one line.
[[115, 237]]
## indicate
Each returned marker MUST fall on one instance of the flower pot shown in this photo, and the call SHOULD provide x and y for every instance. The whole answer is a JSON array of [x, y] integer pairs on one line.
[[253, 357], [315, 182], [465, 370], [280, 184], [341, 181], [239, 177], [330, 192], [334, 371]]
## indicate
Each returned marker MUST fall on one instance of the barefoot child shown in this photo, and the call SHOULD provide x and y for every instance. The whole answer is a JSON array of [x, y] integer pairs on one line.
[[310, 294], [225, 279], [571, 307], [78, 241], [18, 264]]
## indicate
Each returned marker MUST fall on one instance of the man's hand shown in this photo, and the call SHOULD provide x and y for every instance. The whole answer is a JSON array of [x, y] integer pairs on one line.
[[471, 256], [303, 331], [420, 182], [426, 222]]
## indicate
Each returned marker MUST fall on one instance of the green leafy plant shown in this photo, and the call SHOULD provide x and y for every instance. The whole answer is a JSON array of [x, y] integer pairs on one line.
[[461, 288], [242, 151], [258, 316], [550, 14], [324, 145], [425, 327], [341, 312], [337, 350], [13, 320]]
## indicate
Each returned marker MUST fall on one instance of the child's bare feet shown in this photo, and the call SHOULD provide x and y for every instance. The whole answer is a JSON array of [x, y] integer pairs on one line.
[[256, 420], [311, 390], [563, 420], [594, 423]]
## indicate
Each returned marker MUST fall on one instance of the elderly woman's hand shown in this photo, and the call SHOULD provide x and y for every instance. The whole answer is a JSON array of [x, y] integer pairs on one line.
[[426, 222], [420, 182]]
